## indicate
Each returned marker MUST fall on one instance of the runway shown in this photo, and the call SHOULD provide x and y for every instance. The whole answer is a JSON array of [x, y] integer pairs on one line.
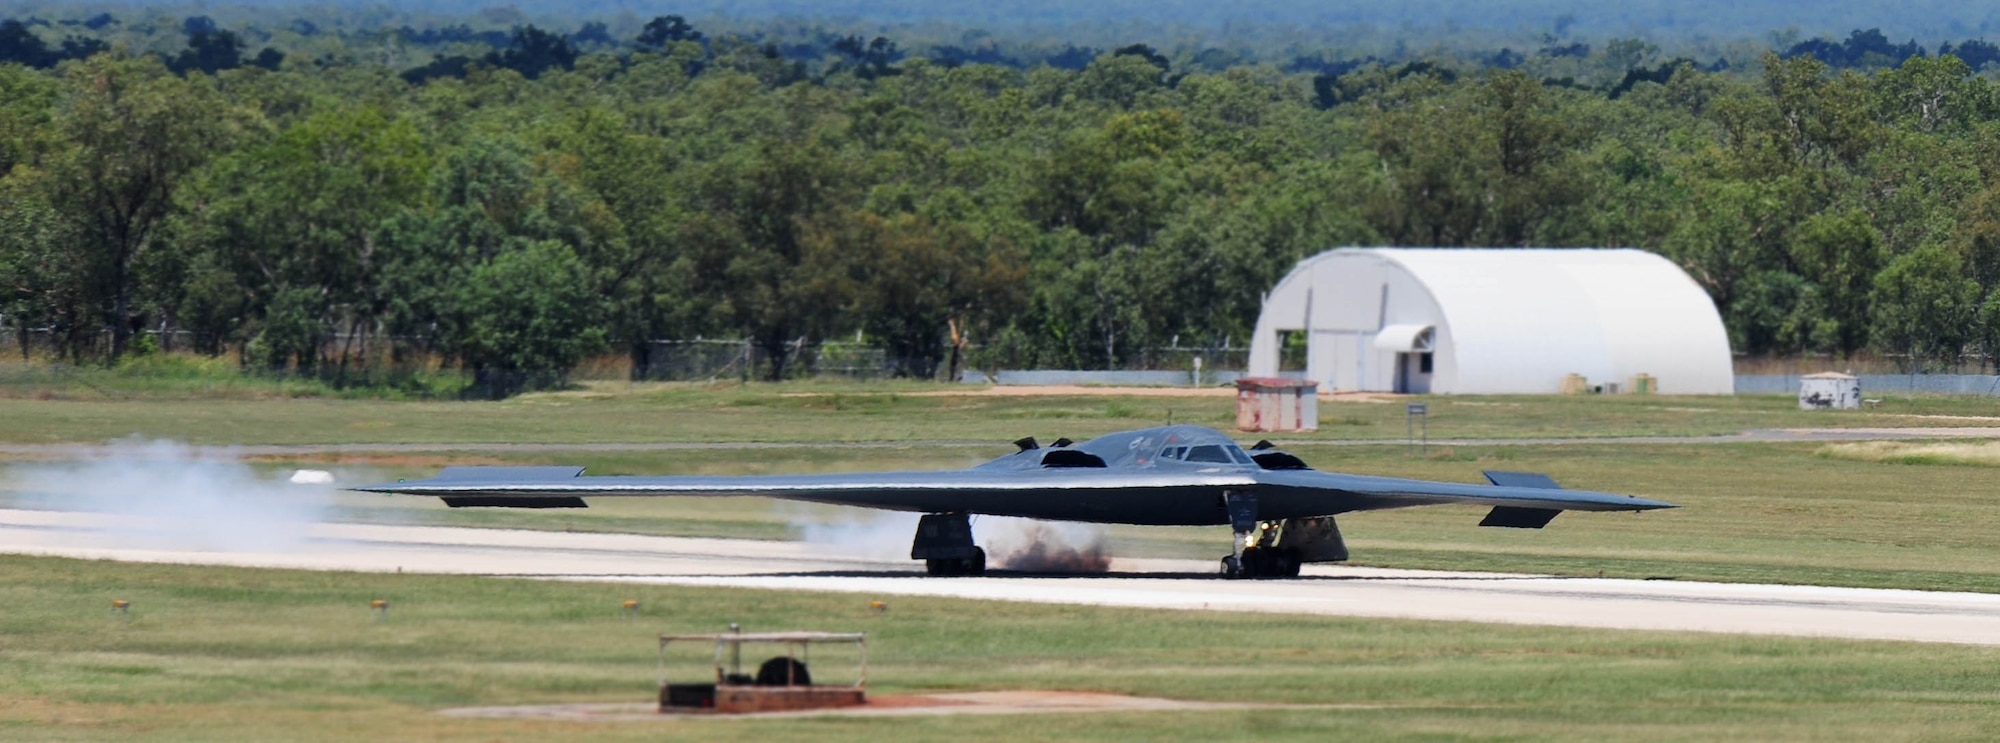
[[1331, 590]]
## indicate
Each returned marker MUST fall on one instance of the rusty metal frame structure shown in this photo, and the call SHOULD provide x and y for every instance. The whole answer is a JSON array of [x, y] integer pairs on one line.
[[797, 644]]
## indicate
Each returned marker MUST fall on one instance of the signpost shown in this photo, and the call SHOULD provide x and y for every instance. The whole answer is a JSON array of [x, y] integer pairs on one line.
[[1419, 421]]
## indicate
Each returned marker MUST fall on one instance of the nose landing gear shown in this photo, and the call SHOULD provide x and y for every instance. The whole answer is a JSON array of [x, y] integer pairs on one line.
[[1255, 552], [1262, 558]]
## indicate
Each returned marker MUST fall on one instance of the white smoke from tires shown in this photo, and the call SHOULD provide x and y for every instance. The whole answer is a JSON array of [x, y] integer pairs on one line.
[[879, 535], [176, 496], [1023, 545]]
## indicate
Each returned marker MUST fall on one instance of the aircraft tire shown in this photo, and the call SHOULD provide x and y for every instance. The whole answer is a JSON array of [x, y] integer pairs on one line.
[[974, 565], [1259, 563], [1231, 569], [1285, 563], [1262, 562]]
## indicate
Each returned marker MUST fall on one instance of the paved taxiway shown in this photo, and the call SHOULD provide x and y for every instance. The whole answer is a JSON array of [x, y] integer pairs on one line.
[[1166, 584]]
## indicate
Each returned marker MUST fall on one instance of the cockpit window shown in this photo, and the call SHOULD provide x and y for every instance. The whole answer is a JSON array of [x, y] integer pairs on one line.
[[1208, 453], [1236, 452], [1173, 452]]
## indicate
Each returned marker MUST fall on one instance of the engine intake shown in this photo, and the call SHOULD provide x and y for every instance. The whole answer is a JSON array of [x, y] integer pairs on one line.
[[1071, 458]]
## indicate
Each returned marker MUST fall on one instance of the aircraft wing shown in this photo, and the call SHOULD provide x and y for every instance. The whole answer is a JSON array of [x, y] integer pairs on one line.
[[1078, 494], [1518, 499], [1127, 496]]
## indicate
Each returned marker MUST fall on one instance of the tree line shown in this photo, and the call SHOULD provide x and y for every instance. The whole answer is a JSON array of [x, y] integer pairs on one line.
[[542, 203]]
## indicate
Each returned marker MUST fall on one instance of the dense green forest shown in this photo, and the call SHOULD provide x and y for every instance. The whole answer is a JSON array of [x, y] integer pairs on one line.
[[337, 198], [1266, 30]]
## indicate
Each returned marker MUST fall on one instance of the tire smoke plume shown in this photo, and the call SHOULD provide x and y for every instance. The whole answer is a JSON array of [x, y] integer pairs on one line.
[[1025, 545], [880, 535], [176, 496], [1033, 546]]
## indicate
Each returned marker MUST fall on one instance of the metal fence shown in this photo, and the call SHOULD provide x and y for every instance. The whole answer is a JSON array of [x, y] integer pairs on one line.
[[704, 359], [42, 341], [707, 360], [1136, 378], [35, 342], [1941, 384]]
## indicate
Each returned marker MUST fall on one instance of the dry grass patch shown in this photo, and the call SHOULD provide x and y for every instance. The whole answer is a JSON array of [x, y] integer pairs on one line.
[[1975, 454]]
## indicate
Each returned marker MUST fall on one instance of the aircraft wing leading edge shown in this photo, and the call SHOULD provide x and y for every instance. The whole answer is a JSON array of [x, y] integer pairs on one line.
[[1368, 493], [1064, 494]]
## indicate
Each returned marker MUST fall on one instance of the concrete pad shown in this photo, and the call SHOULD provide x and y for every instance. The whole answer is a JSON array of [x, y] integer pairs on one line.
[[909, 705]]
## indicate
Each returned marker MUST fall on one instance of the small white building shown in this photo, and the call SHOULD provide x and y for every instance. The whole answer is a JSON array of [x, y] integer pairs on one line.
[[1829, 390], [1495, 321]]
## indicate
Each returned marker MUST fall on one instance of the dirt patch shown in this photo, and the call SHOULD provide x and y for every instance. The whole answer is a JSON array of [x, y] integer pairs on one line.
[[1364, 397], [34, 711], [963, 703]]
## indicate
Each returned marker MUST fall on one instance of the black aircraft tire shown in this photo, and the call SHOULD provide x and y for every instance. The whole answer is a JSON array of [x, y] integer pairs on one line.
[[935, 567], [977, 565], [1257, 563], [1231, 569], [1285, 563]]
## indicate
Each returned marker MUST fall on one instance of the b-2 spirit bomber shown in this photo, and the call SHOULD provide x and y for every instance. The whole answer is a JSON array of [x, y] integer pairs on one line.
[[1280, 510]]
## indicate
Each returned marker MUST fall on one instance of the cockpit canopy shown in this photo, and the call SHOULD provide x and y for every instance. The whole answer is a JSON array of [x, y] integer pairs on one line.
[[1198, 446], [1211, 453]]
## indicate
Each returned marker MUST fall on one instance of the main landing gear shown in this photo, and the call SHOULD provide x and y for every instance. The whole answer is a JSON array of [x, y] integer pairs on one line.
[[1276, 549], [1262, 562], [944, 543], [974, 565]]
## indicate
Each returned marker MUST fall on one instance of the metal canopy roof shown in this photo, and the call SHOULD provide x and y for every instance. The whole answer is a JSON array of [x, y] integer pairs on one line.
[[741, 637], [1403, 338]]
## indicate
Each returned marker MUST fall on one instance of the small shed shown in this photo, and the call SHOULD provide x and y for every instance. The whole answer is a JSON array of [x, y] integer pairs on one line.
[[1829, 390], [1277, 404]]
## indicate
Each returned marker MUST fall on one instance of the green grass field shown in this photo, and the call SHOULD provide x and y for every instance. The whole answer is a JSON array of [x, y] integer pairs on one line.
[[230, 654], [606, 412], [218, 654]]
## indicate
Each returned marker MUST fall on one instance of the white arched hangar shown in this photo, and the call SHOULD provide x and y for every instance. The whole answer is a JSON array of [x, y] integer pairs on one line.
[[1495, 321]]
